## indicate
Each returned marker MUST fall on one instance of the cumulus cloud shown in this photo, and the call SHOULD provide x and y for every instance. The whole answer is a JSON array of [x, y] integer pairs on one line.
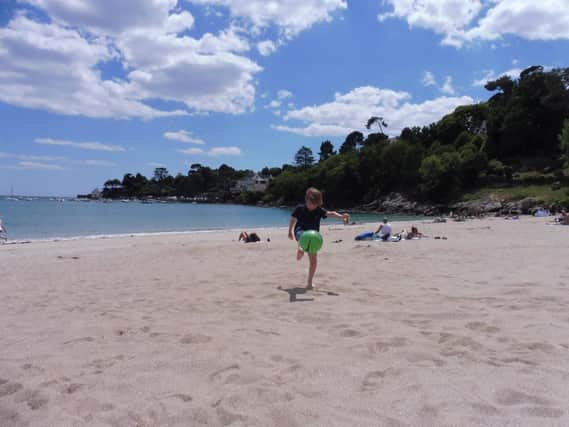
[[55, 66], [459, 21], [183, 136], [350, 111], [289, 16], [48, 67], [82, 145]]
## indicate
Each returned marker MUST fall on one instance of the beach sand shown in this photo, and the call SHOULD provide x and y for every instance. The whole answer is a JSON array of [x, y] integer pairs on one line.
[[192, 329]]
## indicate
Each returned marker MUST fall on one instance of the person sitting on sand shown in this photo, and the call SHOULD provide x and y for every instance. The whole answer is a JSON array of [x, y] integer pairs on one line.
[[562, 219], [384, 230], [414, 233], [249, 238]]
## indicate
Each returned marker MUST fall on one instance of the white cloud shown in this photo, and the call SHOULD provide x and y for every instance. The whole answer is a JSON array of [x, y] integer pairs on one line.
[[102, 163], [183, 136], [214, 152], [37, 165], [284, 94], [114, 17], [490, 75], [467, 20], [447, 17], [274, 104], [191, 151], [429, 79], [350, 111], [530, 19], [447, 88], [28, 157], [290, 16], [156, 165], [53, 68], [82, 145], [266, 47], [224, 151], [56, 66]]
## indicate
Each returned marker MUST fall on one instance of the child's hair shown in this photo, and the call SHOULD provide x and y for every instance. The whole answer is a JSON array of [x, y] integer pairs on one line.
[[314, 196]]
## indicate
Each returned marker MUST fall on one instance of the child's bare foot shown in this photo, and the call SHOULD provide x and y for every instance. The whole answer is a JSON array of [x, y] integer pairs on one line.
[[310, 288], [299, 254]]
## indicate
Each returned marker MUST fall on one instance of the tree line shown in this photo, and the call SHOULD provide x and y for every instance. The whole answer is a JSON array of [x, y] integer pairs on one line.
[[524, 125]]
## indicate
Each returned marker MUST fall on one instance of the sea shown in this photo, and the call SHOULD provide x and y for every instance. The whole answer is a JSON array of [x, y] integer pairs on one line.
[[55, 218]]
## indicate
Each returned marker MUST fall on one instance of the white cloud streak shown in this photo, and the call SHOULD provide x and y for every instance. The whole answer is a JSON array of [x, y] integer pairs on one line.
[[213, 152], [97, 146], [183, 136]]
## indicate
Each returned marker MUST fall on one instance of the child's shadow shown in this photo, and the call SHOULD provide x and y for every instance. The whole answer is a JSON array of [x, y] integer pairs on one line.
[[293, 292]]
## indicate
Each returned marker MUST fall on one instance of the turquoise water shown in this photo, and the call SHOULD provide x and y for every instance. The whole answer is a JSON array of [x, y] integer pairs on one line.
[[42, 218]]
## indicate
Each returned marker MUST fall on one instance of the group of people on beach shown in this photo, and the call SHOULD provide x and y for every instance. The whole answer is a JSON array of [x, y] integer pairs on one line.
[[307, 216]]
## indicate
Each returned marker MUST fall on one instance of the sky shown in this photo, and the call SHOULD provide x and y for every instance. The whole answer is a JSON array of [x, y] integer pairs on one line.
[[93, 89]]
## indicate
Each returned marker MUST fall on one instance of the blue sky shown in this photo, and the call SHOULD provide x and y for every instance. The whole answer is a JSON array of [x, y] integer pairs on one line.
[[93, 89]]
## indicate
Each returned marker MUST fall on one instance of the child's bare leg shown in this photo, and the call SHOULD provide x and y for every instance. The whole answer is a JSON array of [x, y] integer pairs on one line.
[[299, 254], [311, 270]]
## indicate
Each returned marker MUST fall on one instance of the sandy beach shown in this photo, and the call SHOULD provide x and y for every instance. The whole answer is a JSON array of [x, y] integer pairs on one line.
[[192, 329]]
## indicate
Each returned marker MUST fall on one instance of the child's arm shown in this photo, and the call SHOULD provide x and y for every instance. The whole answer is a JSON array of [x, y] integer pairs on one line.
[[344, 217], [290, 227]]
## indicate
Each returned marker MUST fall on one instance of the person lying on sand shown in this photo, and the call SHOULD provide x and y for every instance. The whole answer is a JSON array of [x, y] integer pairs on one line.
[[249, 238], [414, 234]]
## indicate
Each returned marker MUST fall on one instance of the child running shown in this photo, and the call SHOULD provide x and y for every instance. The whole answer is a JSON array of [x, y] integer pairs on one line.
[[305, 217]]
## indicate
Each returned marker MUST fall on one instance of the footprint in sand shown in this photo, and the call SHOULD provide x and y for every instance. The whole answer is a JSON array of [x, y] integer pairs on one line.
[[33, 398], [7, 387], [195, 339], [382, 346], [481, 326], [372, 381], [509, 397]]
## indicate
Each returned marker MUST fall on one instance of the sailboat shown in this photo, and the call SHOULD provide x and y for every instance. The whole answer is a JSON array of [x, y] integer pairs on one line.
[[12, 194]]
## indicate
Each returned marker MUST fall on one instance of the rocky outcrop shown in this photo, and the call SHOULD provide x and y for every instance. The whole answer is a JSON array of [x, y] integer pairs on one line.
[[398, 203]]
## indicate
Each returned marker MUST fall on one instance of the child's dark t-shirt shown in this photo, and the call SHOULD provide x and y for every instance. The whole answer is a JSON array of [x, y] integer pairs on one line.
[[308, 220]]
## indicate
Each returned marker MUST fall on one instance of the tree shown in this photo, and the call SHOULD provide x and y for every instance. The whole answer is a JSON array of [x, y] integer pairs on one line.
[[352, 141], [304, 157], [160, 174], [326, 150], [377, 120], [564, 142]]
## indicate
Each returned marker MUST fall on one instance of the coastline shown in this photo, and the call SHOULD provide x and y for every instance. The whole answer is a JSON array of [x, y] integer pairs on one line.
[[192, 329]]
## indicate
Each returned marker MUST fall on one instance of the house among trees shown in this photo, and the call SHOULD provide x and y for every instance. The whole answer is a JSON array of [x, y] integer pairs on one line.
[[255, 182]]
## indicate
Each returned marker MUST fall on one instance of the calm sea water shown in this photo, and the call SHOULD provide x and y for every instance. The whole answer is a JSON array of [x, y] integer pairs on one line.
[[43, 218]]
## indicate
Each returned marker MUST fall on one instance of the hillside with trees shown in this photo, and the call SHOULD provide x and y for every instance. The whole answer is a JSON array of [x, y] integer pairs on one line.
[[514, 145]]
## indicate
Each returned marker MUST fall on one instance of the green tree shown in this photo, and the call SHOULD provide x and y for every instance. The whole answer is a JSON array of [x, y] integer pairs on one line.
[[378, 121], [304, 157], [326, 150], [352, 141], [160, 174], [564, 142]]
